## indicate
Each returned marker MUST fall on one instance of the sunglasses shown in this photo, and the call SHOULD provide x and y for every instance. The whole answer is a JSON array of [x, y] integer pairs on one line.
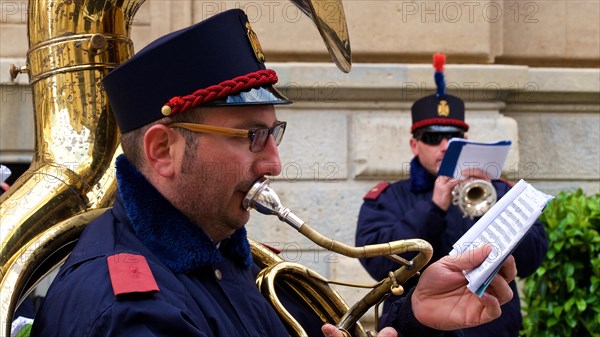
[[258, 137], [435, 138]]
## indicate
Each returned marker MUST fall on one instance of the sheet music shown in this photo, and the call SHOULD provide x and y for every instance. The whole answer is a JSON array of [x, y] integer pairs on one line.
[[502, 227], [463, 154]]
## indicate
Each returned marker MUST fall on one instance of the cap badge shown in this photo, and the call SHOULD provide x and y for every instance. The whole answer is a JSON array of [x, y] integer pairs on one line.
[[260, 56], [443, 109]]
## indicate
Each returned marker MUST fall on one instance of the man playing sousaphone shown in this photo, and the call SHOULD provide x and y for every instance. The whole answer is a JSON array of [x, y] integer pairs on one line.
[[421, 206], [171, 258]]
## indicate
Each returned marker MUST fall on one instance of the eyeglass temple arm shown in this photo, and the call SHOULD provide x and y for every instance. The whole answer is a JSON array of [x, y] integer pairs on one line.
[[212, 129]]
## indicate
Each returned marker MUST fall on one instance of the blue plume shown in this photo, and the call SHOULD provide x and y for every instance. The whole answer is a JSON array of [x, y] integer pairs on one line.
[[440, 83]]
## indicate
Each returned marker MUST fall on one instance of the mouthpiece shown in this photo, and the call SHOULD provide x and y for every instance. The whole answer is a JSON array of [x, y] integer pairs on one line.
[[263, 199]]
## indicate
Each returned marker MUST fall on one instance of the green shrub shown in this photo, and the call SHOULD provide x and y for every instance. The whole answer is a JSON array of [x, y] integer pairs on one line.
[[562, 298]]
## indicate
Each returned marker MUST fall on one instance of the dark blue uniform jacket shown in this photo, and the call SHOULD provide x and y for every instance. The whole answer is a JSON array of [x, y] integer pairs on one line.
[[201, 290], [404, 210]]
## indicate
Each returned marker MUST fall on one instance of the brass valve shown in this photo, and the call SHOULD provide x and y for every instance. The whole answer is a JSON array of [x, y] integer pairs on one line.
[[15, 71]]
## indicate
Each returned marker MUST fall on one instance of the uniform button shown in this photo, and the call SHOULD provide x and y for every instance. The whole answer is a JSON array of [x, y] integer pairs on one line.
[[218, 274]]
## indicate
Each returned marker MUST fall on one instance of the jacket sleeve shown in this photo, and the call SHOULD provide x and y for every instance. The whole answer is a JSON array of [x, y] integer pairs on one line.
[[81, 302], [146, 317], [402, 318], [389, 218]]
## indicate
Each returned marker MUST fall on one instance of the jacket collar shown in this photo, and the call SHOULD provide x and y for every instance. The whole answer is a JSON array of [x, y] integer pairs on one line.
[[420, 179], [177, 242]]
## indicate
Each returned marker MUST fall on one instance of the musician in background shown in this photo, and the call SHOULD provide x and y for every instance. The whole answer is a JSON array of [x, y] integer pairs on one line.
[[171, 257], [421, 206]]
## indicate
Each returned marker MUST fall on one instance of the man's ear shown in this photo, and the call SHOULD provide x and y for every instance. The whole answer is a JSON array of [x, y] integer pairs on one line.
[[159, 147], [413, 146]]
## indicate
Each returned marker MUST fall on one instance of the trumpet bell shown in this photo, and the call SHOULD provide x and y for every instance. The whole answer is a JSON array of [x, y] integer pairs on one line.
[[474, 198]]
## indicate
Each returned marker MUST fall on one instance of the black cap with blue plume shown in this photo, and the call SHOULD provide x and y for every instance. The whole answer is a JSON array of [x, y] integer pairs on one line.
[[440, 112]]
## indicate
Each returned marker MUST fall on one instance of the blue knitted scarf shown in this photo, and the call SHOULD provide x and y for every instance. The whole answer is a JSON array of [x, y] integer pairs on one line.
[[420, 179], [178, 243]]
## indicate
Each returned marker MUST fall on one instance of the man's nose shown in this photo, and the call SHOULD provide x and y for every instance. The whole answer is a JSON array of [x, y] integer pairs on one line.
[[444, 144], [269, 163]]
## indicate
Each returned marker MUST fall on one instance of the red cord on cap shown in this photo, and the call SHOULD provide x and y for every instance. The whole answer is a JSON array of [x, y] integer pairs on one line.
[[256, 79]]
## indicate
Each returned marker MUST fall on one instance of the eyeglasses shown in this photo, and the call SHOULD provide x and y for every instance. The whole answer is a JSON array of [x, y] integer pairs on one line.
[[258, 137], [435, 138]]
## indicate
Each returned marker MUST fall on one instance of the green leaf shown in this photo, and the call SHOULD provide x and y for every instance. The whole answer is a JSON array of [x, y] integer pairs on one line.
[[557, 311], [569, 303], [570, 284], [594, 284], [569, 268], [562, 298], [581, 305], [539, 272]]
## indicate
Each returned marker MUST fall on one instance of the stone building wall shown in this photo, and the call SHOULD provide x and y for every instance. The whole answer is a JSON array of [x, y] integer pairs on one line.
[[338, 146], [528, 71]]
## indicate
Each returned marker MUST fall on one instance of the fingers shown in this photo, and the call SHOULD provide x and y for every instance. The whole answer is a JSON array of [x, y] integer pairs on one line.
[[387, 332], [475, 173], [442, 191], [329, 330], [469, 259], [447, 181], [500, 287], [509, 269], [499, 291], [492, 308]]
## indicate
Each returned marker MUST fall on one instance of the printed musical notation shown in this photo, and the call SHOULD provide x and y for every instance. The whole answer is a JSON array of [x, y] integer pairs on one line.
[[502, 227]]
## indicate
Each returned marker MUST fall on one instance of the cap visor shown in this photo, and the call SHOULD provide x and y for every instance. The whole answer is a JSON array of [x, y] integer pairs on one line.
[[441, 128], [255, 96]]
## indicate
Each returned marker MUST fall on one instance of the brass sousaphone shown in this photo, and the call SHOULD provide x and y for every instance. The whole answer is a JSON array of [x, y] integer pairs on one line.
[[71, 181], [72, 46]]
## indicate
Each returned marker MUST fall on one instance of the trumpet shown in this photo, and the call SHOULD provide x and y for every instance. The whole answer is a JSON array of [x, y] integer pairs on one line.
[[474, 197], [313, 288]]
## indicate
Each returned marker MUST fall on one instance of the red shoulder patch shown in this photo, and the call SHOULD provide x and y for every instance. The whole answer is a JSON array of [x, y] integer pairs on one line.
[[130, 273], [374, 193]]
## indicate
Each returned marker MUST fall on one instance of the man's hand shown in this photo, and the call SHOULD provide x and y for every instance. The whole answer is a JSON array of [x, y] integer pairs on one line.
[[442, 191], [475, 174], [4, 186], [330, 330], [442, 301]]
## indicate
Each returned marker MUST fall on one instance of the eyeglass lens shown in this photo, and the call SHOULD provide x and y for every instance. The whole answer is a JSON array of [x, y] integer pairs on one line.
[[260, 137], [435, 138]]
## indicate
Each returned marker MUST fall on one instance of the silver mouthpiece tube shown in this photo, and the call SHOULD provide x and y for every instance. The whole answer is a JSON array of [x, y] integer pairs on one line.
[[263, 199]]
